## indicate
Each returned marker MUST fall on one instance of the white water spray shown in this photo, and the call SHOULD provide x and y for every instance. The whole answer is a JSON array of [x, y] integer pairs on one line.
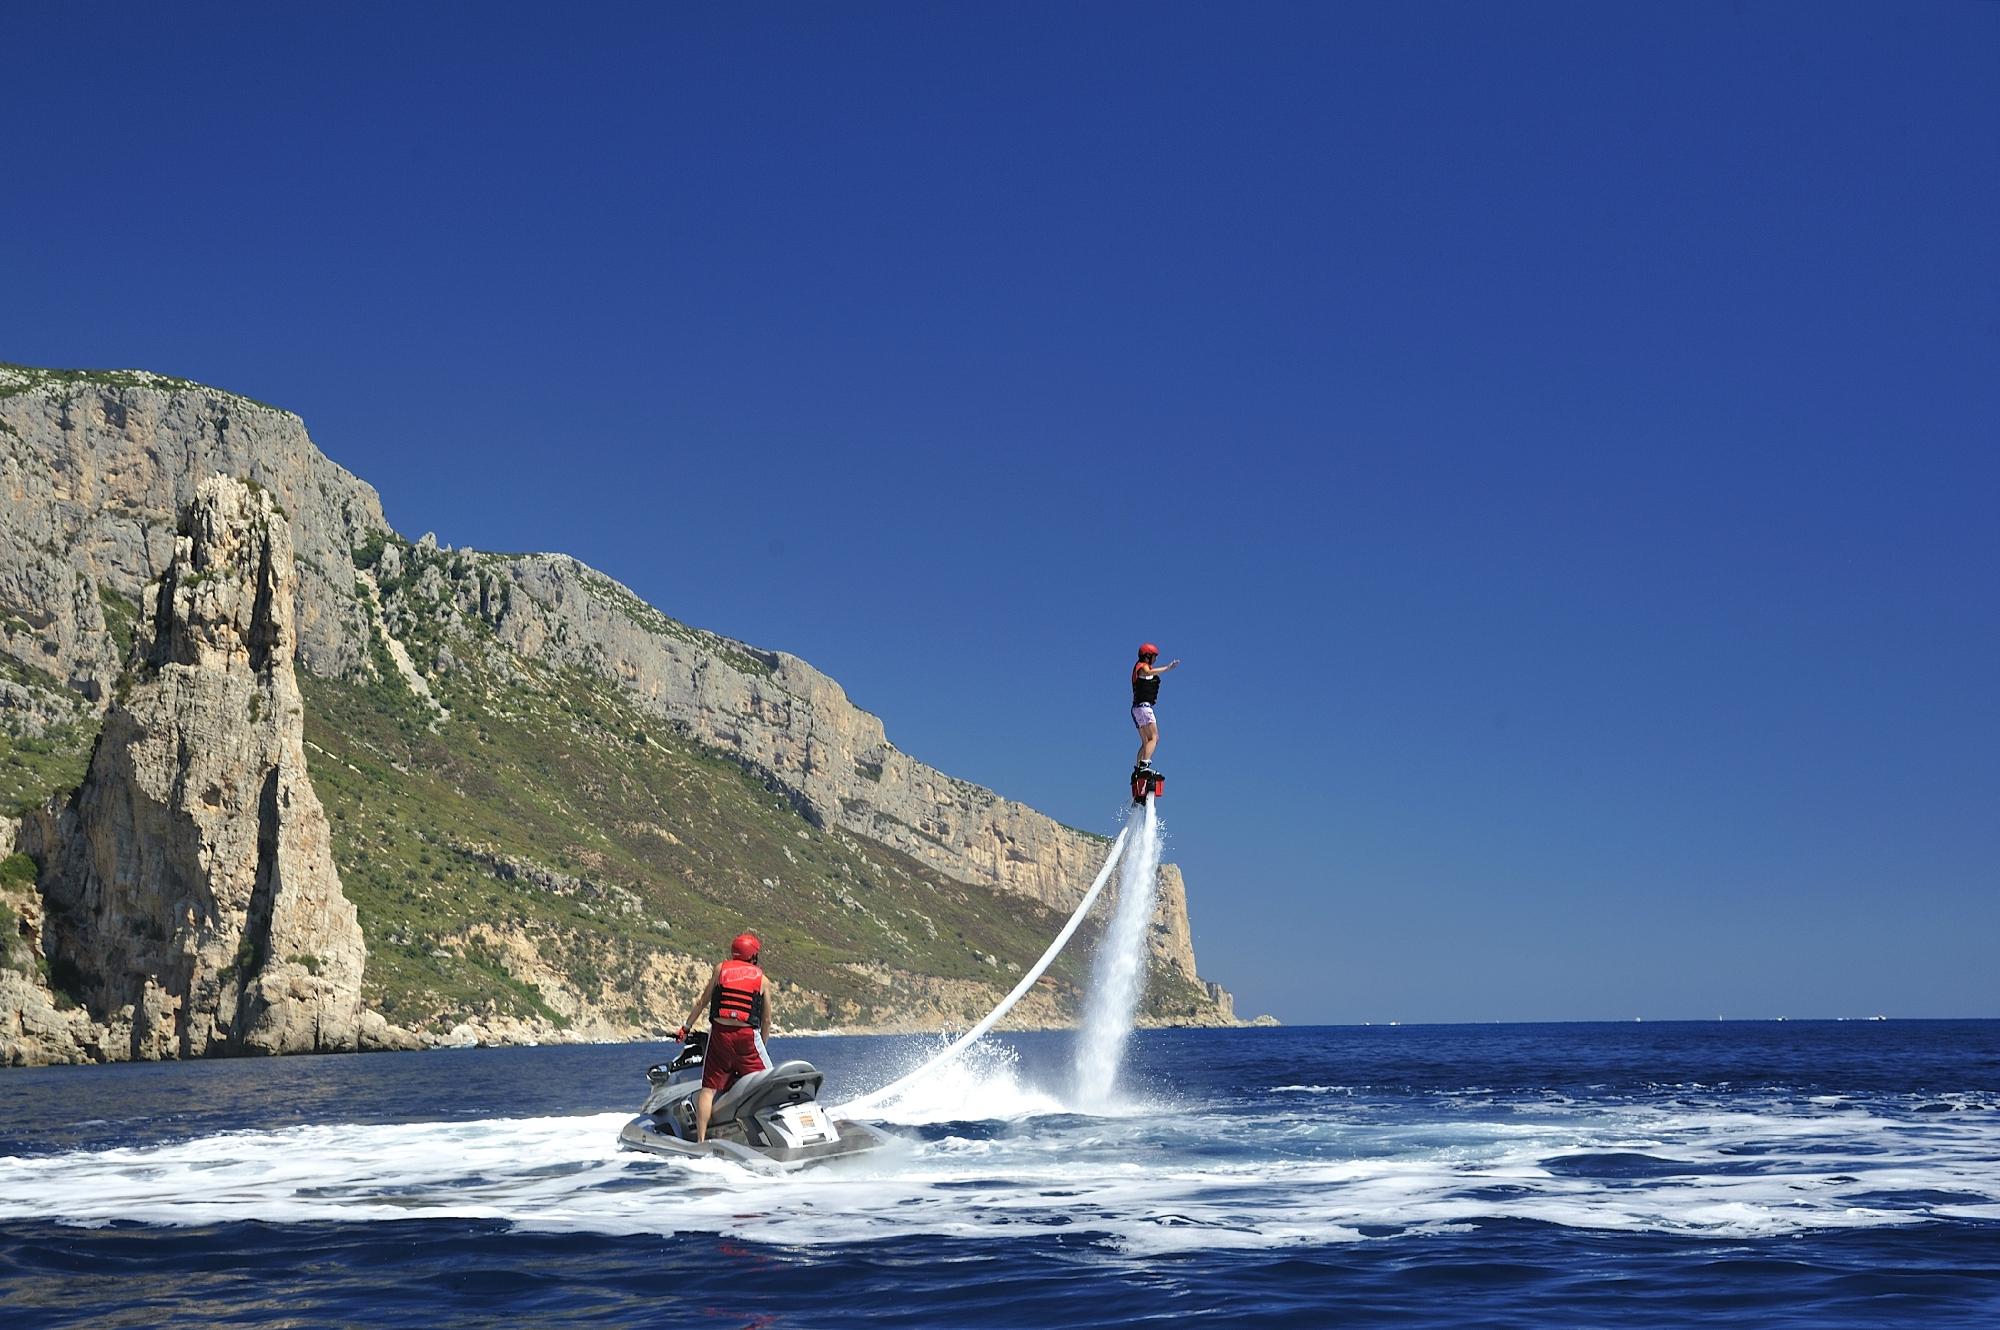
[[1119, 975], [965, 1040]]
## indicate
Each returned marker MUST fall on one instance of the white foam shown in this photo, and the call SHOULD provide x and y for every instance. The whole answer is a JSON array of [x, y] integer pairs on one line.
[[1148, 1181], [982, 1084]]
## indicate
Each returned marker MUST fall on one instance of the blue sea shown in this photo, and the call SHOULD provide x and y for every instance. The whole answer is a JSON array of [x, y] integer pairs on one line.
[[1818, 1174]]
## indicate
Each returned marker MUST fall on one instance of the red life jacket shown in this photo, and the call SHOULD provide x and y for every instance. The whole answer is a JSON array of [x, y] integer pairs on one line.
[[739, 994]]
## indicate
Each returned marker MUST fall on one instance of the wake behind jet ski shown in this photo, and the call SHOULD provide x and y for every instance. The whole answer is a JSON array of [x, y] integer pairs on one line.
[[770, 1118]]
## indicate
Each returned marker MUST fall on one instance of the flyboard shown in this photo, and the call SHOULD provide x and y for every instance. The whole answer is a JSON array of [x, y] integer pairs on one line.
[[1146, 781]]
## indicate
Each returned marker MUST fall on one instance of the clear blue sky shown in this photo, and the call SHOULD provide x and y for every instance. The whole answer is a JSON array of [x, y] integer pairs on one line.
[[1560, 439]]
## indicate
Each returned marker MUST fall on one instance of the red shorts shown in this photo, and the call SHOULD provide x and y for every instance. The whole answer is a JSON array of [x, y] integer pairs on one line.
[[732, 1051]]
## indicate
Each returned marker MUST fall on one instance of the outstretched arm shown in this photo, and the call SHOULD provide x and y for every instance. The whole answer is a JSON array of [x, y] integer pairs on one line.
[[1159, 669]]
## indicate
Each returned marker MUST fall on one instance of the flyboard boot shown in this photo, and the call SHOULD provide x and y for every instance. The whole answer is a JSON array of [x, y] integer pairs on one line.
[[1146, 781]]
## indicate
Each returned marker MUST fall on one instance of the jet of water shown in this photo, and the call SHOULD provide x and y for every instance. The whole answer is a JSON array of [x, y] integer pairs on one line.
[[1119, 976], [1020, 990]]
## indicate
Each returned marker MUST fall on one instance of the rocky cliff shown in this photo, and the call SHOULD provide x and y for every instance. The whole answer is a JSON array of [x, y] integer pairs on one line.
[[96, 469], [645, 782], [189, 894], [781, 717]]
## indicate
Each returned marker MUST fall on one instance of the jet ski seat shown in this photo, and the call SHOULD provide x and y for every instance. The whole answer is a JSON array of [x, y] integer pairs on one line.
[[793, 1082]]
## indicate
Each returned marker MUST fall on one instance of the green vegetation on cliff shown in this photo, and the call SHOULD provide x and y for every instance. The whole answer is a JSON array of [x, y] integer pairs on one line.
[[35, 766], [541, 814], [25, 378], [17, 879], [527, 840], [542, 806]]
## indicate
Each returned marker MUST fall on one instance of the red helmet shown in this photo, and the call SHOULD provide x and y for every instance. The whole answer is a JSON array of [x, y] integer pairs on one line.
[[744, 947], [1148, 649]]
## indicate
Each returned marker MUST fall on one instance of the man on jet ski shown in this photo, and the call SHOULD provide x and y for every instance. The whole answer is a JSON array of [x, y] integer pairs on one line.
[[739, 1015]]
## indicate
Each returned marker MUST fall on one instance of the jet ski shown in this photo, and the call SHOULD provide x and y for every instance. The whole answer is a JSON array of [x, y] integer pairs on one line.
[[768, 1118]]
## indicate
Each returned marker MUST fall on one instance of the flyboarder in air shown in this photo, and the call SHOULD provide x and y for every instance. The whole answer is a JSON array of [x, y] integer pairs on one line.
[[1145, 692]]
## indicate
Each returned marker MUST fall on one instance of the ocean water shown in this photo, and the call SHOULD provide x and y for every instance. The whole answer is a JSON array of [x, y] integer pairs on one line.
[[1821, 1174]]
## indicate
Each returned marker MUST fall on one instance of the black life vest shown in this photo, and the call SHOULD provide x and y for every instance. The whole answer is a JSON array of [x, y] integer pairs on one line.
[[739, 995], [1145, 687]]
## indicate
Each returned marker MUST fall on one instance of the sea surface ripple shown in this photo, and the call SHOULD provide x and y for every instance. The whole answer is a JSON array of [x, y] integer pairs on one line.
[[1798, 1173]]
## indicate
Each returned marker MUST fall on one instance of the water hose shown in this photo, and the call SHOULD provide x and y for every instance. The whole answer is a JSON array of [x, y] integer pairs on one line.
[[965, 1040]]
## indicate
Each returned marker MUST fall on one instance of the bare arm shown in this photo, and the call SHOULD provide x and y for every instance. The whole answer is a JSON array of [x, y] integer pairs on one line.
[[701, 1002], [770, 1007], [1151, 670]]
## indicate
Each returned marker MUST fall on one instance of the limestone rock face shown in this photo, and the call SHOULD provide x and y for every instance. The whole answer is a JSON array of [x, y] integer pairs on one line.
[[785, 719], [201, 762], [190, 884], [34, 1028], [94, 472]]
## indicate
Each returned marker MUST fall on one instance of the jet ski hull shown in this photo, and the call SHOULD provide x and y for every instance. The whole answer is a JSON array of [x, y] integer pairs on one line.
[[648, 1135], [767, 1119]]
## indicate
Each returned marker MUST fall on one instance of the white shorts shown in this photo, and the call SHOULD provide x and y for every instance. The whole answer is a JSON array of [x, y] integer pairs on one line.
[[1142, 715]]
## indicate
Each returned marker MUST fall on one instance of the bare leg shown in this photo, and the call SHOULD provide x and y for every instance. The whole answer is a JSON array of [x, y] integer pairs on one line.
[[704, 1103], [1149, 737]]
